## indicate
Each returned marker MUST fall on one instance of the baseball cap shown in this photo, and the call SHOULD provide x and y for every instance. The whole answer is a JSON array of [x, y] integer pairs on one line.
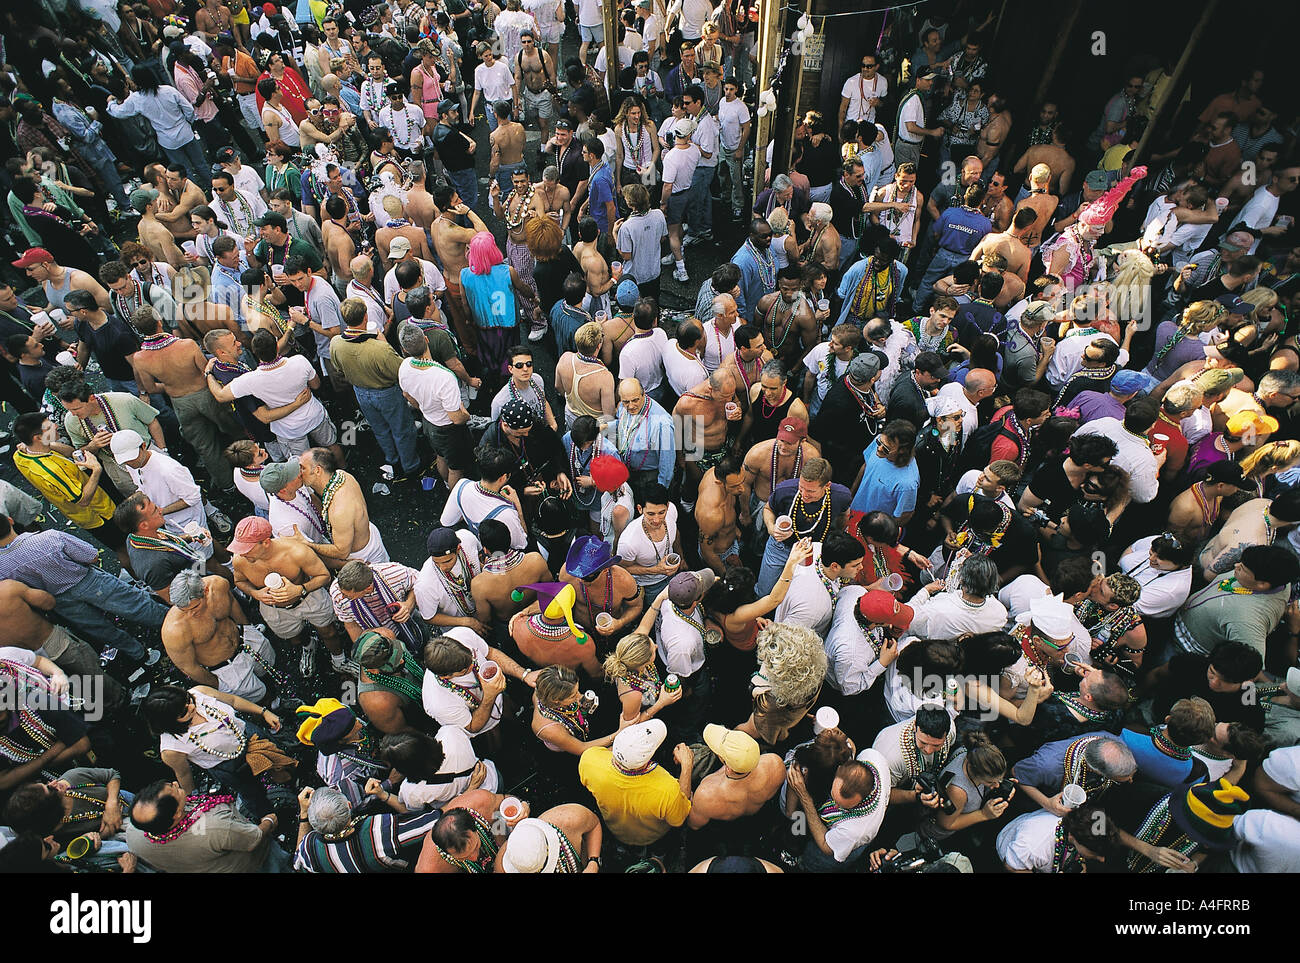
[[682, 130], [398, 247], [1038, 311], [249, 533], [272, 219], [1127, 382], [792, 429], [863, 368], [1235, 304], [34, 255], [275, 475], [1096, 181], [735, 748], [442, 541], [881, 608], [393, 88], [226, 155], [142, 197], [447, 105], [635, 745], [126, 444], [687, 588], [627, 294], [1244, 421], [1226, 473]]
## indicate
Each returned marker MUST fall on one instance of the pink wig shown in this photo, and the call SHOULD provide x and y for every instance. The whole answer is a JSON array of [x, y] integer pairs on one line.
[[483, 253]]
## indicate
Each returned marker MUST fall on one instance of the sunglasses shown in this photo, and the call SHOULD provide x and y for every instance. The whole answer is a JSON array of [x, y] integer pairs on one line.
[[521, 365], [330, 113]]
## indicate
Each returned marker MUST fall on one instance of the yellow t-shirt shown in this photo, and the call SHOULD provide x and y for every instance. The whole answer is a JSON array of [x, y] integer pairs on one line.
[[639, 810], [1113, 159], [62, 482]]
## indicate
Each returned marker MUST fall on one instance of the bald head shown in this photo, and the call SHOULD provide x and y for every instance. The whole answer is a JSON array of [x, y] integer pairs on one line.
[[630, 392], [362, 268], [980, 383], [330, 84]]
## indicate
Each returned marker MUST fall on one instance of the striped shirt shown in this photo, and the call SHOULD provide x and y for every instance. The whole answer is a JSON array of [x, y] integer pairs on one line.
[[400, 580], [52, 561], [385, 843]]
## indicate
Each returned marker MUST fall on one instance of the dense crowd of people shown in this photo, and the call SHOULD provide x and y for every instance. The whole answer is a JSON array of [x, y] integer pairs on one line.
[[952, 524]]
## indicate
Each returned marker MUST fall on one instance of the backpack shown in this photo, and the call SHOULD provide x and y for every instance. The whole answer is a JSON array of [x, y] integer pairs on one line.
[[978, 450]]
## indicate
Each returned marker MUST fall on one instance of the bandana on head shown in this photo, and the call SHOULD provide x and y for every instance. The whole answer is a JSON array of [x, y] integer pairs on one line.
[[517, 414]]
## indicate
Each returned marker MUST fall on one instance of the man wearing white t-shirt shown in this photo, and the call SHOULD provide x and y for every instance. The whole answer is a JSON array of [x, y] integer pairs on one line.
[[683, 366], [810, 602], [1261, 210], [494, 82], [442, 592], [458, 759], [679, 174], [692, 17], [1269, 838], [642, 357], [720, 332], [591, 27], [649, 539], [435, 390], [278, 382], [842, 829], [1028, 844], [476, 502], [863, 93], [734, 121], [454, 691], [166, 481], [912, 131]]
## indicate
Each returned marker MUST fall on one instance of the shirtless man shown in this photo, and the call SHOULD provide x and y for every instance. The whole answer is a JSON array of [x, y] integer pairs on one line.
[[451, 242], [595, 382], [399, 226], [535, 69], [347, 520], [515, 208], [787, 320], [205, 636], [507, 144], [620, 328], [994, 135], [179, 367], [745, 364], [155, 235], [618, 594], [454, 833], [1187, 519], [57, 281], [1055, 156], [25, 628], [706, 407], [716, 513], [1247, 526], [299, 597], [997, 206], [340, 249], [551, 199], [1011, 244], [419, 202], [580, 826], [504, 568], [185, 196], [595, 268], [793, 447], [747, 780], [1042, 203]]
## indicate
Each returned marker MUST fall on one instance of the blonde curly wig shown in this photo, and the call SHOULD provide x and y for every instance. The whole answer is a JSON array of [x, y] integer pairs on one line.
[[792, 660]]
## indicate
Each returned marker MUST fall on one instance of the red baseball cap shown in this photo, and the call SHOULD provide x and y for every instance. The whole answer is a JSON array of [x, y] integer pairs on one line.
[[792, 429], [881, 608], [34, 255], [269, 9], [249, 533]]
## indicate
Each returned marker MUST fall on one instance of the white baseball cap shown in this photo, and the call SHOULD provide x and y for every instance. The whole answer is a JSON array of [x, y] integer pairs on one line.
[[635, 745], [126, 444]]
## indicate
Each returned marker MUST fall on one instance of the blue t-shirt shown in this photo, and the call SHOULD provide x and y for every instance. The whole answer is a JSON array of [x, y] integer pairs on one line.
[[600, 192], [886, 487], [960, 229], [1155, 766], [491, 296]]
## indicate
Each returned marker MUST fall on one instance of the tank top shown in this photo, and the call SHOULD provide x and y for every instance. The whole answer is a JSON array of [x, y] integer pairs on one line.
[[56, 295], [288, 129], [767, 419], [576, 406]]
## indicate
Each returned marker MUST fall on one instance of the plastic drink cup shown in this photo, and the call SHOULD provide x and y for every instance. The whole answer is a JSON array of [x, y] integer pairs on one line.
[[823, 304], [1073, 796], [80, 847], [602, 316], [65, 358], [784, 523], [894, 582], [489, 670], [604, 620], [672, 558], [732, 409], [826, 718], [511, 808], [616, 269], [274, 580]]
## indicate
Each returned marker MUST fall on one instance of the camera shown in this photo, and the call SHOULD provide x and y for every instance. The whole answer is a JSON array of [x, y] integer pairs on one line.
[[1039, 517], [1002, 790], [928, 783], [914, 860]]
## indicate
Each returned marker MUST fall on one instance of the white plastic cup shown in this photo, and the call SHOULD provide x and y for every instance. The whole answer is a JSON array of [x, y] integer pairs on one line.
[[57, 314], [894, 582], [823, 304], [602, 316], [188, 248], [1073, 796], [40, 317], [604, 620], [784, 523], [489, 670], [672, 558], [65, 357], [1221, 202], [274, 580], [615, 269], [826, 718], [511, 808]]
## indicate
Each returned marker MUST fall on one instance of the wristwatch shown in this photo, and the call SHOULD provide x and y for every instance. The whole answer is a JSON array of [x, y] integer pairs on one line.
[[594, 859]]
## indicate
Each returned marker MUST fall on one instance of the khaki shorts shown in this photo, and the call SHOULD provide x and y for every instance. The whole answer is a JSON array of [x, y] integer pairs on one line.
[[239, 676], [322, 436], [315, 608], [542, 102]]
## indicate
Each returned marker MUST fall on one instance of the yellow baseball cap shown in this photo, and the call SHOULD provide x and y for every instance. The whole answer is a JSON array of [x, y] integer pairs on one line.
[[739, 751]]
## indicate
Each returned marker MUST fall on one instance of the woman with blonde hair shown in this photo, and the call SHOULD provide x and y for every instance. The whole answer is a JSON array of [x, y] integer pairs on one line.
[[1178, 342], [1271, 458], [785, 249], [631, 667], [708, 50], [636, 144], [561, 713], [195, 314], [791, 667]]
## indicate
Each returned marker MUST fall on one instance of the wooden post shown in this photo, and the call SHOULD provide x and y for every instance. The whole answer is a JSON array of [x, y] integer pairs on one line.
[[1175, 79], [1062, 38], [772, 18], [609, 13]]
